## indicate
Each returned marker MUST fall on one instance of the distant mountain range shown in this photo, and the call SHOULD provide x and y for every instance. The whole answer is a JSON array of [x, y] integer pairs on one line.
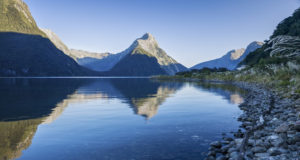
[[143, 58], [231, 59], [27, 50]]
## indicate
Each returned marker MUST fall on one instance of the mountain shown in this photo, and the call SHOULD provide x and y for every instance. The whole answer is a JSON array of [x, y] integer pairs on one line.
[[94, 61], [103, 62], [25, 50], [77, 55], [137, 64], [16, 17], [56, 40], [28, 50], [33, 55], [145, 58], [231, 59], [80, 54]]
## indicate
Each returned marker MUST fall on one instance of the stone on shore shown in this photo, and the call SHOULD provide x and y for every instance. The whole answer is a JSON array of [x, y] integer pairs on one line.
[[283, 128], [297, 126], [216, 144]]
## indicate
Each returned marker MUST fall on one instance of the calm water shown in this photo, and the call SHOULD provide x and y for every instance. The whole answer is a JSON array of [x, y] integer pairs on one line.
[[113, 119]]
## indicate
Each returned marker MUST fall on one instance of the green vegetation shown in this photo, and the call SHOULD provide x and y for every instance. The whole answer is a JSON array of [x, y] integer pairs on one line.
[[16, 17], [261, 57], [282, 80], [289, 26], [279, 71], [256, 56], [201, 71]]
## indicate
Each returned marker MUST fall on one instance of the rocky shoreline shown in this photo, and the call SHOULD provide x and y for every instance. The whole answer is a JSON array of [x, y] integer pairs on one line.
[[270, 128]]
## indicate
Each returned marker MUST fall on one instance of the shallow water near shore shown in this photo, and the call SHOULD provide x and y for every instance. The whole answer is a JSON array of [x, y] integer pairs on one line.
[[113, 118]]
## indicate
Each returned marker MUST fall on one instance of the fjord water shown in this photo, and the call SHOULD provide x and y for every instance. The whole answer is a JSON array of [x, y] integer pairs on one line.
[[113, 118]]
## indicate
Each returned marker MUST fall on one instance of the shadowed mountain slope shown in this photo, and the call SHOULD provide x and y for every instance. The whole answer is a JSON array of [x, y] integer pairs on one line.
[[33, 55], [145, 58], [24, 50]]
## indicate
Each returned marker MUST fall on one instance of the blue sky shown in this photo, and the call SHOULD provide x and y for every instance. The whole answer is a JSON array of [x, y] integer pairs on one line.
[[191, 31]]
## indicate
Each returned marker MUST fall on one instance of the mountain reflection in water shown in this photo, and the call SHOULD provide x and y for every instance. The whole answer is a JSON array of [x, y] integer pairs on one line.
[[27, 103], [232, 93]]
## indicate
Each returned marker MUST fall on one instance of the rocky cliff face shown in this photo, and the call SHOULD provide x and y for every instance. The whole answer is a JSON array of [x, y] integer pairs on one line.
[[280, 55], [284, 46], [279, 52], [231, 59]]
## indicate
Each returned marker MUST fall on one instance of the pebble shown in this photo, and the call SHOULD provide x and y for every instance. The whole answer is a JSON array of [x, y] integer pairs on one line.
[[259, 149], [234, 155], [230, 150], [282, 128], [273, 124], [238, 141], [221, 157], [297, 126], [216, 144], [274, 151]]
